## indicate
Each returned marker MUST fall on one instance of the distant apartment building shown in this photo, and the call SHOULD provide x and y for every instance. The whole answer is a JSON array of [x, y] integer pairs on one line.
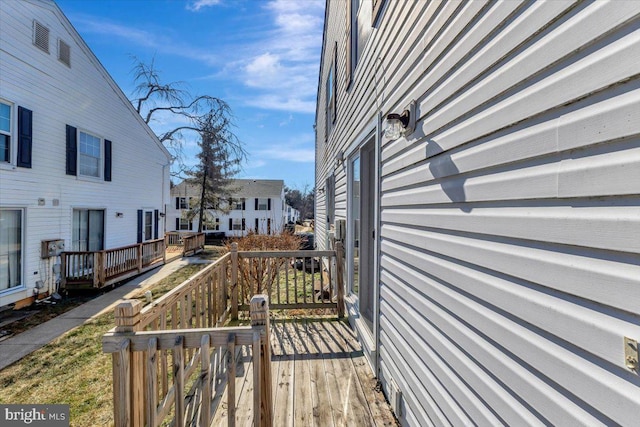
[[255, 205]]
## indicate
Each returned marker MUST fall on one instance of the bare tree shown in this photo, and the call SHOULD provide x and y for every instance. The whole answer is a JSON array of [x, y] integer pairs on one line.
[[209, 120], [152, 97]]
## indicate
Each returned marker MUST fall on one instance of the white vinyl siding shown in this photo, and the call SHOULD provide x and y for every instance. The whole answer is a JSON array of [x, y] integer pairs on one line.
[[509, 259], [86, 98]]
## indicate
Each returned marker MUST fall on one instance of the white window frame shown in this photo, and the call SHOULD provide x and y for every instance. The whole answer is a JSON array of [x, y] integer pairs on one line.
[[100, 159], [236, 224], [184, 224], [183, 202], [11, 134], [147, 214], [214, 227], [22, 284], [263, 204], [237, 204]]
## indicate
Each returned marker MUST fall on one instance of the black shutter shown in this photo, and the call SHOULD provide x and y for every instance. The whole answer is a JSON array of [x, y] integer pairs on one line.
[[243, 224], [25, 137], [72, 151], [230, 224], [268, 225], [268, 204], [177, 202], [190, 225], [177, 224], [139, 225], [244, 206], [257, 231], [156, 221], [107, 160], [256, 207]]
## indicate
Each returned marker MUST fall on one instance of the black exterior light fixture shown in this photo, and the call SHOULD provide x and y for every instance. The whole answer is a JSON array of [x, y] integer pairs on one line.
[[402, 124]]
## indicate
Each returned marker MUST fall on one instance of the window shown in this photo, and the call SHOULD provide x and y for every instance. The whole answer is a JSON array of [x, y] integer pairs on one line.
[[148, 225], [10, 248], [238, 204], [64, 53], [237, 224], [211, 224], [85, 153], [359, 21], [263, 204], [5, 132], [330, 100], [184, 224], [89, 150], [41, 36], [182, 203], [88, 230]]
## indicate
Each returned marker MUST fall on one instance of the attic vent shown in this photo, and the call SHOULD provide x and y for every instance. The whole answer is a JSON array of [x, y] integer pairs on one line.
[[41, 36], [64, 53]]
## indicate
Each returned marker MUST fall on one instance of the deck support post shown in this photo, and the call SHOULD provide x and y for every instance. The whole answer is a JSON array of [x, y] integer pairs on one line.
[[259, 307], [234, 281], [127, 320], [340, 277]]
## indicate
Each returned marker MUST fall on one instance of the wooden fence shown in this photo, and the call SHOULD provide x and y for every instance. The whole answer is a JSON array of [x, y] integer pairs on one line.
[[173, 357], [102, 268], [292, 279], [203, 361]]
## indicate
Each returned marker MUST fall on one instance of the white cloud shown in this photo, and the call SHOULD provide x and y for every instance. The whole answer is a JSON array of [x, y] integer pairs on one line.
[[298, 148], [195, 6]]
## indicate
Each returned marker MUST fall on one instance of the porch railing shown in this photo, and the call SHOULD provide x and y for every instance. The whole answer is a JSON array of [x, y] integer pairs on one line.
[[292, 279], [102, 268], [203, 361], [179, 340], [193, 244]]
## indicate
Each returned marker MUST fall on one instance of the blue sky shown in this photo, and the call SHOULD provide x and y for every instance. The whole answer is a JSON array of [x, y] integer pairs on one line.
[[260, 56]]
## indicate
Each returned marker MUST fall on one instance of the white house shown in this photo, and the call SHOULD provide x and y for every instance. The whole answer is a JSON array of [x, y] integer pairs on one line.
[[292, 214], [493, 249], [257, 205], [79, 168]]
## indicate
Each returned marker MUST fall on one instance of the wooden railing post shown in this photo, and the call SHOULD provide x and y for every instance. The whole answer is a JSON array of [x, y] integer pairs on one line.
[[139, 257], [63, 270], [234, 281], [340, 277], [259, 307], [127, 320]]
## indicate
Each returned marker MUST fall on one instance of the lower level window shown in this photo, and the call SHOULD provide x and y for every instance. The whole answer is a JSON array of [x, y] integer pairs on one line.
[[184, 224], [237, 224], [88, 230], [89, 155], [148, 225], [211, 224], [10, 248]]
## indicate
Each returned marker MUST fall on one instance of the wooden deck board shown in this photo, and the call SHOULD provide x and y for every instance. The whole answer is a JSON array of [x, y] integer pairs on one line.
[[320, 378]]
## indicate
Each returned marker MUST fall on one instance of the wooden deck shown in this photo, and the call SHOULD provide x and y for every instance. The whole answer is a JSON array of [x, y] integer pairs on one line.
[[320, 378]]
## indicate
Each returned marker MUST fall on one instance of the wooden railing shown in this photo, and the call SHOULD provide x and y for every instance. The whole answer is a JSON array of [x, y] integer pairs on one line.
[[193, 244], [173, 238], [292, 279], [102, 268], [173, 357], [148, 392]]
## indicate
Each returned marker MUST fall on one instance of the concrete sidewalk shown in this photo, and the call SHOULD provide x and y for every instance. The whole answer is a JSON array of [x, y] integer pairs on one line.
[[17, 347]]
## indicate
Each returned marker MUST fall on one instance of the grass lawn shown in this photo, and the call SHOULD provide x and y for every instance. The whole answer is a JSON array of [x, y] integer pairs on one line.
[[73, 370]]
